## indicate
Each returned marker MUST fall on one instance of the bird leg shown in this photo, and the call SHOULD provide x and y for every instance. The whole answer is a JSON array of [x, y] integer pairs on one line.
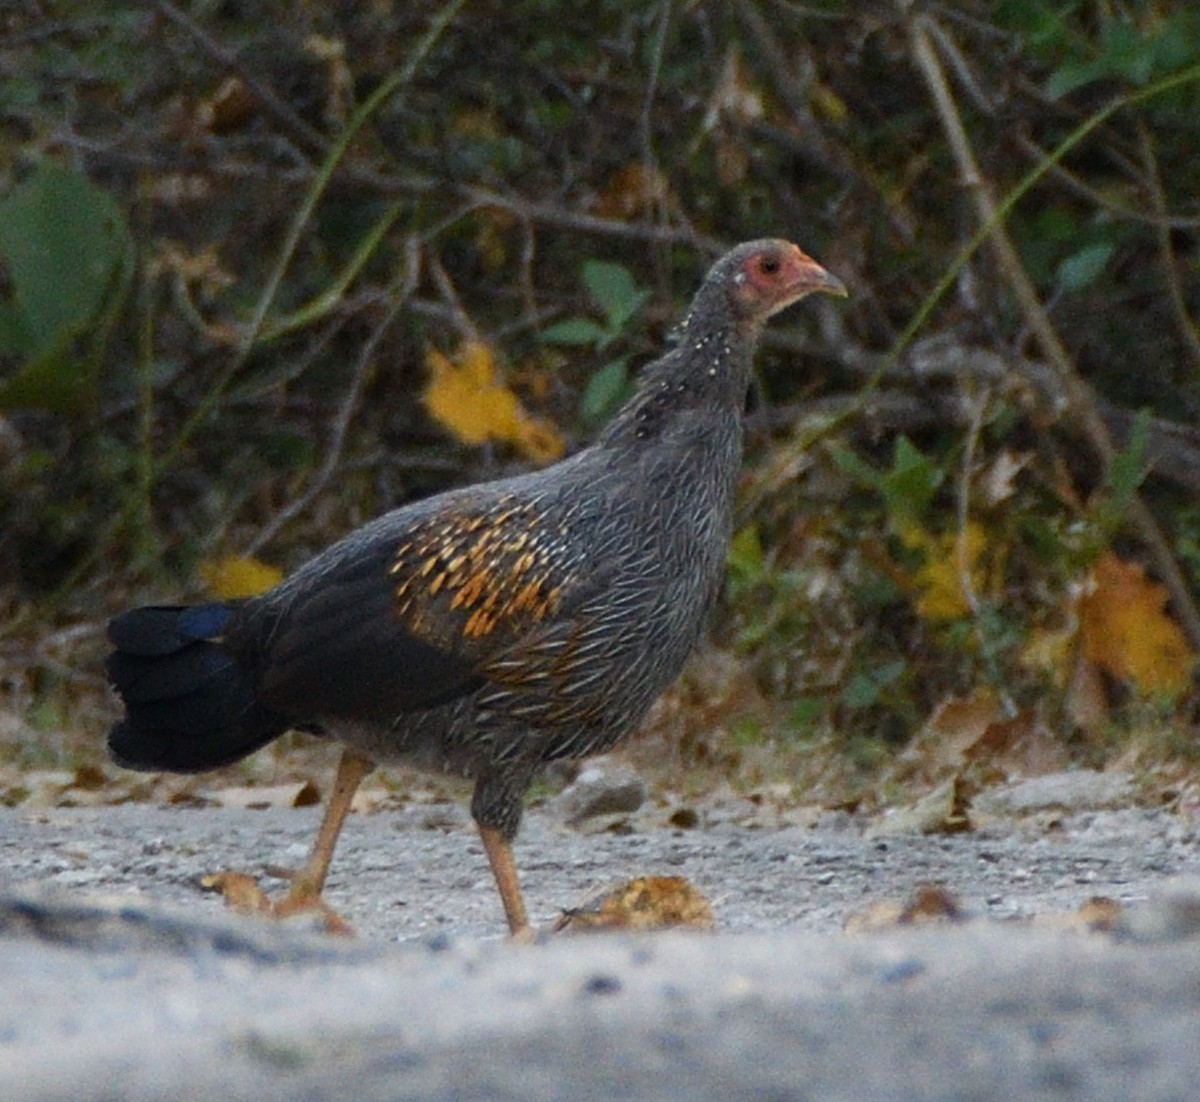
[[307, 882], [499, 855]]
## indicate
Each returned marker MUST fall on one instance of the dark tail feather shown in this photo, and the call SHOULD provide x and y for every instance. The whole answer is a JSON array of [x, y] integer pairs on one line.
[[189, 705]]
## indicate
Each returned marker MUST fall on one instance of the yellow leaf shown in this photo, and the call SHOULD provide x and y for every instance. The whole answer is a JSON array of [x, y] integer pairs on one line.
[[951, 559], [1124, 628], [1050, 651], [828, 103], [237, 576], [467, 396], [491, 238]]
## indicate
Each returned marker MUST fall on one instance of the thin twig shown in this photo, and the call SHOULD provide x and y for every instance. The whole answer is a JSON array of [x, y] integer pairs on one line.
[[307, 136], [1082, 404], [551, 215], [525, 270], [792, 88], [646, 116], [956, 60], [1104, 202], [209, 401], [445, 285], [976, 402], [349, 404], [300, 223], [1166, 251]]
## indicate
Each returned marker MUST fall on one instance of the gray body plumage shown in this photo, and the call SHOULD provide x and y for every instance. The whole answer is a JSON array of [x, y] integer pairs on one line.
[[634, 531]]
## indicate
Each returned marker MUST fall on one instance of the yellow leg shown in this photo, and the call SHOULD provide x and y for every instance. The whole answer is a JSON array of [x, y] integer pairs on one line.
[[499, 855], [308, 882]]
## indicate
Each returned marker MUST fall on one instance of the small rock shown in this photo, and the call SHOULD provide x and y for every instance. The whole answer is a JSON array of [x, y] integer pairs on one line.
[[603, 787], [77, 877], [685, 818], [940, 811], [1075, 790], [1172, 915]]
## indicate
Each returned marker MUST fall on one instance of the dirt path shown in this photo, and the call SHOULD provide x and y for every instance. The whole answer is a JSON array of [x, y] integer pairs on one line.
[[158, 987]]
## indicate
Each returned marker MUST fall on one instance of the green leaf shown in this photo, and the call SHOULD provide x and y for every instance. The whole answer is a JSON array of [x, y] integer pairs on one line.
[[851, 465], [1075, 74], [1128, 466], [605, 391], [745, 556], [613, 289], [65, 246], [619, 316], [61, 237], [575, 331], [806, 711], [864, 689], [1084, 267], [909, 486]]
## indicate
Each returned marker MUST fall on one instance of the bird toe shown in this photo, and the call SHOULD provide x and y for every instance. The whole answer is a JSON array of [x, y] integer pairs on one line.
[[242, 893]]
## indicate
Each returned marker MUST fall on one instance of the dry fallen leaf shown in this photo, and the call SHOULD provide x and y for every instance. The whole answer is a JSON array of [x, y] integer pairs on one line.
[[734, 104], [631, 191], [1100, 913], [645, 903], [998, 482], [926, 903], [1097, 914], [1086, 700], [1019, 745], [1125, 629], [297, 794], [228, 109], [957, 724]]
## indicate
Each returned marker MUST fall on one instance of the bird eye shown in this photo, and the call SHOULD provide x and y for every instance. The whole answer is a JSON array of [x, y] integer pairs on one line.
[[769, 265]]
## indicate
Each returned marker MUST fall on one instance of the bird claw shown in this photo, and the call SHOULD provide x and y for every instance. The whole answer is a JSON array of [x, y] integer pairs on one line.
[[242, 893]]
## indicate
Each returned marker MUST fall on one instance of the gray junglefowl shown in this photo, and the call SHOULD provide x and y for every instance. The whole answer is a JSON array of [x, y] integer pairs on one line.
[[490, 629]]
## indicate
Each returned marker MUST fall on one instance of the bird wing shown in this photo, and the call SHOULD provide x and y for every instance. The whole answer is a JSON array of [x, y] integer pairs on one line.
[[405, 616]]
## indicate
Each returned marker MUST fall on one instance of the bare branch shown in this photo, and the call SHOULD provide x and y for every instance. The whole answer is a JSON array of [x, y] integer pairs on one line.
[[307, 136], [549, 214], [1082, 404], [341, 422], [1159, 218], [1166, 252]]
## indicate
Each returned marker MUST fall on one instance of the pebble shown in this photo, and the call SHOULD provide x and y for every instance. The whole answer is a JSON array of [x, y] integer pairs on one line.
[[1075, 790], [603, 787]]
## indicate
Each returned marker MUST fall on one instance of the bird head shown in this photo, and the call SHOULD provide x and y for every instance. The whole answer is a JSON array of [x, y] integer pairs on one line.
[[765, 276]]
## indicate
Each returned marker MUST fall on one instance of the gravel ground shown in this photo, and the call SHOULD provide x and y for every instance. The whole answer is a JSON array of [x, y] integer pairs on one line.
[[123, 980], [406, 874]]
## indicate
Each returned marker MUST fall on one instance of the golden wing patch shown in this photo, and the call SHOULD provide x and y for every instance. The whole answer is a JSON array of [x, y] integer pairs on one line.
[[497, 565]]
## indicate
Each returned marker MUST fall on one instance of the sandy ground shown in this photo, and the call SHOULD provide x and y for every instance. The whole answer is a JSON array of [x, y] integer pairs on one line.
[[122, 979]]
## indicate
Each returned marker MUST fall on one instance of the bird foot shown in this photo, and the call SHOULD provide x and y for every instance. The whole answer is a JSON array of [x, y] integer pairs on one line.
[[242, 893]]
